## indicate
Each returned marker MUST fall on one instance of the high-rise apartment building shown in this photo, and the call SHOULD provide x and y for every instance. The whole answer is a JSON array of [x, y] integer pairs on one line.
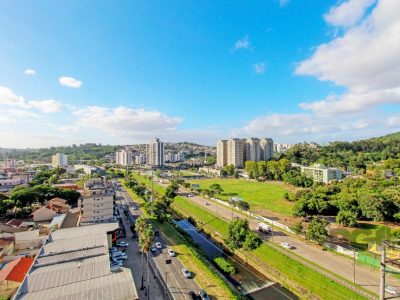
[[222, 153], [123, 158], [267, 148], [236, 151], [252, 149], [155, 153], [59, 160]]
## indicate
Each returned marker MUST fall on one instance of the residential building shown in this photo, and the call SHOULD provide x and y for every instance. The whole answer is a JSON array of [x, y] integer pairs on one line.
[[97, 201], [74, 263], [321, 173], [155, 153], [252, 149], [52, 208], [59, 160], [140, 159], [10, 163], [267, 148], [280, 148], [236, 152], [90, 170], [222, 153], [123, 158], [174, 157]]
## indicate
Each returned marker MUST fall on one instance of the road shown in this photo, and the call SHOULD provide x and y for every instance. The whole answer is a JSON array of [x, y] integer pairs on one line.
[[178, 285], [369, 279]]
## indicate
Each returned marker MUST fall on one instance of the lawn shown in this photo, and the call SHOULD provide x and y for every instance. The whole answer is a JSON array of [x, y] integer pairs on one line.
[[260, 195]]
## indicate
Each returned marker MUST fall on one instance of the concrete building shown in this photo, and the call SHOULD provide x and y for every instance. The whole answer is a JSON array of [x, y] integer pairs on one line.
[[59, 160], [10, 163], [140, 159], [90, 170], [321, 173], [252, 149], [267, 149], [222, 153], [280, 148], [155, 153], [74, 264], [97, 201], [236, 152], [123, 158], [174, 157]]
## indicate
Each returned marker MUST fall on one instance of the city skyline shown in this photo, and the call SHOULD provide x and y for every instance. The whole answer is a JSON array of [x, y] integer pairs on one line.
[[198, 72]]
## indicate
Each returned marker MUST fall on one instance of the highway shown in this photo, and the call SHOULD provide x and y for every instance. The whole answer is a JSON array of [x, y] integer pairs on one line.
[[369, 279], [178, 285]]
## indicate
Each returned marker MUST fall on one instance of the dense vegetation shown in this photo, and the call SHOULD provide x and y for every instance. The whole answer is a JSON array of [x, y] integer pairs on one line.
[[224, 265]]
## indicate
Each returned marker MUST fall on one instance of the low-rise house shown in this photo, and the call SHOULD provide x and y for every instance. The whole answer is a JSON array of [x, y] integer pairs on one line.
[[6, 246], [52, 208]]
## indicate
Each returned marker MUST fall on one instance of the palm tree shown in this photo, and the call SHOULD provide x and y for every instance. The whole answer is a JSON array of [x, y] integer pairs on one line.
[[140, 225], [146, 239]]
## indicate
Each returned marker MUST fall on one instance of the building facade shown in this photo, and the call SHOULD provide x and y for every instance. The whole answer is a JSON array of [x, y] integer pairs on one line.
[[252, 149], [59, 160], [123, 158], [322, 174], [222, 153], [236, 152], [155, 153], [140, 159], [267, 149]]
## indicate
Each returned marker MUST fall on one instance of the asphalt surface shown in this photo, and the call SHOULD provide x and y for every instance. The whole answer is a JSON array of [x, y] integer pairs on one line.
[[178, 285], [369, 279]]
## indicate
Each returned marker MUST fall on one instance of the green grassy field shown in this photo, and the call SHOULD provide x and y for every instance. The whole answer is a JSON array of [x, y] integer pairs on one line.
[[260, 195]]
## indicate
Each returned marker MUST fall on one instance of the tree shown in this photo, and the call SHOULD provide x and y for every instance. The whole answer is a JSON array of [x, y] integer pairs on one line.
[[216, 188], [146, 239], [243, 205], [172, 190], [230, 169], [238, 230], [317, 230], [347, 218], [252, 241], [297, 228]]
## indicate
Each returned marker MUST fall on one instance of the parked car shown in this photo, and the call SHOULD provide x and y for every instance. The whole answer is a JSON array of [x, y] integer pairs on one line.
[[156, 233], [171, 252], [203, 295], [120, 255], [153, 249], [189, 195], [122, 244], [392, 290], [186, 273], [116, 264], [193, 295], [158, 245], [113, 249], [286, 245]]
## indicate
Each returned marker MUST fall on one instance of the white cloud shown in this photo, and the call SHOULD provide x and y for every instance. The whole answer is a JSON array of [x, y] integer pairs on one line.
[[259, 68], [364, 60], [7, 97], [125, 121], [242, 43], [283, 3], [16, 116], [30, 72], [47, 106], [69, 129], [347, 13], [70, 82]]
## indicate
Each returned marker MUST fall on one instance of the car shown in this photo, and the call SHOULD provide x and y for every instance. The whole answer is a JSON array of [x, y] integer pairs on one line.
[[189, 195], [392, 290], [286, 245], [206, 203], [113, 249], [203, 295], [156, 233], [122, 244], [115, 264], [153, 249], [120, 255], [158, 245], [186, 273], [193, 295], [171, 252]]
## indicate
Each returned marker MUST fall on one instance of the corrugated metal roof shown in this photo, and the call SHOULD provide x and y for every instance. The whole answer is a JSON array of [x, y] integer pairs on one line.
[[76, 244], [68, 256], [76, 232]]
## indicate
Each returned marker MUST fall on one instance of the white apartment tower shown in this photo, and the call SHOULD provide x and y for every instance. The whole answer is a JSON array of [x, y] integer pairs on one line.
[[59, 160], [236, 150], [222, 153], [253, 149], [155, 153], [267, 148], [123, 158]]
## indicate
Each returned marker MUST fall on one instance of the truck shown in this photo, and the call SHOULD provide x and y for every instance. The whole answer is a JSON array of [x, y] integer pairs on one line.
[[262, 227]]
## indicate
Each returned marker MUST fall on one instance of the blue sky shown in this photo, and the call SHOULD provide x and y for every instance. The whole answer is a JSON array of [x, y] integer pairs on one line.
[[123, 72]]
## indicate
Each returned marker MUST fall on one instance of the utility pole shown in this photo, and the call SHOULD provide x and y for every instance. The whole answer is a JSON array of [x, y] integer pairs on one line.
[[382, 270]]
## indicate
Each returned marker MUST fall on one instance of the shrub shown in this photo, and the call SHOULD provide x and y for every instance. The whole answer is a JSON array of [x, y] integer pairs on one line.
[[224, 265]]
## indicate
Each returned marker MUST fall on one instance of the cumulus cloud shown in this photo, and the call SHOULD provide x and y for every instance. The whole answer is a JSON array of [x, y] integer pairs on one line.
[[70, 82], [364, 60], [347, 13], [7, 97], [47, 106], [242, 43], [259, 68], [30, 72], [126, 121]]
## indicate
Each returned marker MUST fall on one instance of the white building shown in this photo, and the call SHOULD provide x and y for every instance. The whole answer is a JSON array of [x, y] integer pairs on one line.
[[236, 151], [321, 173], [10, 163], [174, 157], [252, 149], [140, 159], [280, 148], [123, 158], [267, 149], [222, 153], [59, 160], [155, 153]]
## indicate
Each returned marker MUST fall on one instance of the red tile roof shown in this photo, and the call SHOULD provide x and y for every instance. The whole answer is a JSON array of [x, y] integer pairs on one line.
[[16, 269]]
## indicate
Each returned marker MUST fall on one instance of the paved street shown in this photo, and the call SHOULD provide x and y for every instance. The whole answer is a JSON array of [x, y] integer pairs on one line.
[[172, 274], [339, 265]]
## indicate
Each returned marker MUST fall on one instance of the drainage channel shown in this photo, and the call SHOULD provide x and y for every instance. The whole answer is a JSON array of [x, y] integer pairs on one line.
[[251, 283]]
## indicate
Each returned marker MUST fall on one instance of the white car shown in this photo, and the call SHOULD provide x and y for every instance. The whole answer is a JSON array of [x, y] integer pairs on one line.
[[286, 245], [171, 252], [189, 195], [122, 244], [186, 273], [158, 245], [392, 290]]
